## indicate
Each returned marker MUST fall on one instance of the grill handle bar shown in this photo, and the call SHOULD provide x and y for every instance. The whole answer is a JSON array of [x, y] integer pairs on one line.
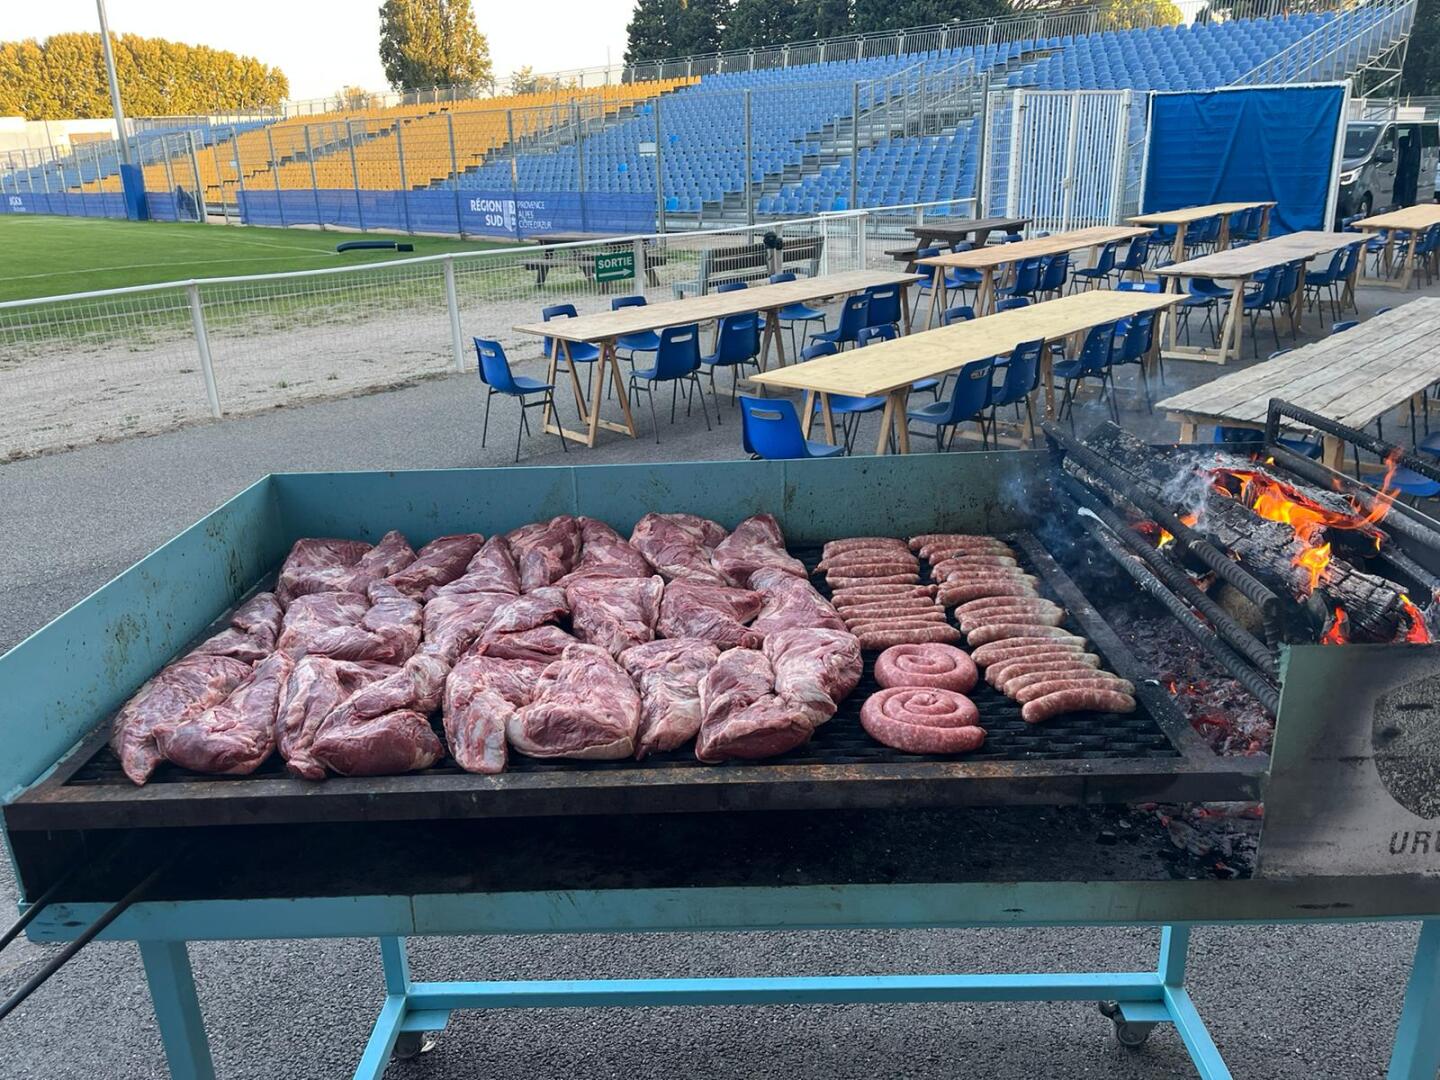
[[1226, 568], [1224, 624], [1379, 447], [89, 934], [29, 914], [1264, 691]]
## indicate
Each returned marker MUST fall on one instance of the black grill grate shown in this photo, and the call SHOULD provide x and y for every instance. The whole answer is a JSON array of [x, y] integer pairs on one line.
[[842, 741]]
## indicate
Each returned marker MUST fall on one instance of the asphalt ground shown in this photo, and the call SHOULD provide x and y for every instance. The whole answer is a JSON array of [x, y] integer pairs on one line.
[[1283, 1002]]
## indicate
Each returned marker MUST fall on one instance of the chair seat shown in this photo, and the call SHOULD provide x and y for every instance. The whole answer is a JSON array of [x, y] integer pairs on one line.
[[651, 374], [963, 278], [1302, 447], [924, 384], [936, 412], [715, 360], [644, 341], [799, 313], [1431, 444], [581, 352], [1091, 272], [820, 449], [1319, 277], [1068, 369], [844, 403], [526, 385], [1410, 482]]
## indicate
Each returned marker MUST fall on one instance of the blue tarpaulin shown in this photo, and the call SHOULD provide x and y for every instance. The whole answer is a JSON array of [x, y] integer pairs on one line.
[[110, 204], [1235, 145]]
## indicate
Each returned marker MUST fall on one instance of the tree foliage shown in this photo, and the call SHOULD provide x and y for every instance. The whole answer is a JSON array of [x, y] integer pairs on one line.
[[426, 43], [1136, 14], [1422, 61], [63, 78]]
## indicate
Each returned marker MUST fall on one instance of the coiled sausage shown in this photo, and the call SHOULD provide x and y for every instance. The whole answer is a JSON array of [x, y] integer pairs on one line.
[[922, 720], [938, 666]]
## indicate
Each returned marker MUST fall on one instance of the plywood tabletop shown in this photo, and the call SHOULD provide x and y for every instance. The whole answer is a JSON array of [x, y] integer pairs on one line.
[[997, 254], [1242, 262], [1195, 213], [1421, 216], [879, 369], [632, 320], [1353, 377]]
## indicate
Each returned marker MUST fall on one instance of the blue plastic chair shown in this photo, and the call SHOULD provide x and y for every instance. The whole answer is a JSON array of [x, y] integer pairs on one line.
[[1328, 281], [968, 401], [854, 317], [884, 309], [1091, 276], [1092, 363], [731, 286], [1027, 279], [770, 429], [1263, 299], [580, 352], [1341, 327], [644, 341], [1411, 483], [495, 373], [1021, 379], [1012, 303], [963, 313], [1054, 274], [795, 314], [848, 408], [926, 285], [1137, 335], [677, 360], [1136, 256], [960, 278], [737, 343]]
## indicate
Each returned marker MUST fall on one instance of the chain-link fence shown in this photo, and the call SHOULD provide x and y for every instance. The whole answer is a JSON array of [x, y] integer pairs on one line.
[[96, 366]]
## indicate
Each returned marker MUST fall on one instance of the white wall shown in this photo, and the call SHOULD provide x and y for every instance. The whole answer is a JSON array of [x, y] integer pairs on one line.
[[17, 133]]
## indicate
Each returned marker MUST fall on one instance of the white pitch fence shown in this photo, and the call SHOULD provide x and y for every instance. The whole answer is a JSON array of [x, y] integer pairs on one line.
[[95, 366]]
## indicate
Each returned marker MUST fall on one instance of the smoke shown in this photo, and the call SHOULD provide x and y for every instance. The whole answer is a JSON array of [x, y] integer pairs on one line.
[[1189, 489]]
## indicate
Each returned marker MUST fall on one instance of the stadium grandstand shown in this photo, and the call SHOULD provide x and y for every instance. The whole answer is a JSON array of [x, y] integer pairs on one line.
[[831, 125]]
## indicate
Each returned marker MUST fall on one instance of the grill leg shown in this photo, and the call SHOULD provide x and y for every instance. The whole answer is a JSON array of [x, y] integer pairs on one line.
[[1417, 1038], [177, 1010], [485, 431]]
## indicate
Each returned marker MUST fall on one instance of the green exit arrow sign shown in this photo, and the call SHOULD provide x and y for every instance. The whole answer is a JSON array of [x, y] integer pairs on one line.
[[615, 266]]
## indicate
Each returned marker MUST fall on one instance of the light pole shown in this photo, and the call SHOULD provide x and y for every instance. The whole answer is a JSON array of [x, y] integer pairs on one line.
[[114, 82]]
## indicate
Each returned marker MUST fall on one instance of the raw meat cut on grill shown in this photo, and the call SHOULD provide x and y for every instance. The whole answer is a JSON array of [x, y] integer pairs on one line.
[[814, 669], [318, 685], [604, 553], [481, 695], [756, 542], [680, 546], [323, 565], [742, 716], [492, 570], [254, 628], [715, 613], [542, 643], [934, 664], [544, 605], [235, 736], [437, 564], [922, 720], [545, 551], [615, 613], [667, 674], [180, 691], [454, 621], [383, 728], [790, 601], [385, 628], [585, 706]]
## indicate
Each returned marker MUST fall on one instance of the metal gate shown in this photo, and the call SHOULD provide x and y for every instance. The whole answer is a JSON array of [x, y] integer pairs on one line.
[[1066, 159], [174, 185]]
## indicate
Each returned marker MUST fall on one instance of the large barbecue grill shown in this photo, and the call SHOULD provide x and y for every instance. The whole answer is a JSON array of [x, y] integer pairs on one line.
[[669, 843]]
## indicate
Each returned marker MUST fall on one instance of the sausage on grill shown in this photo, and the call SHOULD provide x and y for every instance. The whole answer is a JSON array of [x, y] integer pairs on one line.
[[892, 605], [1028, 603], [938, 666], [997, 616], [911, 635], [895, 622], [985, 573], [927, 539], [1014, 649], [970, 562], [952, 594], [857, 543], [988, 546], [856, 594], [1000, 631], [1089, 680], [1082, 700], [922, 720], [1003, 675], [837, 583], [866, 555]]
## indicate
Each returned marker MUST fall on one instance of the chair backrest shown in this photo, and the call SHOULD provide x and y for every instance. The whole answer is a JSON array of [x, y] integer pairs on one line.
[[1106, 262], [1056, 269], [618, 302], [556, 311], [964, 313], [771, 428], [1352, 255], [1139, 336], [819, 349], [926, 252], [1337, 263], [494, 367], [884, 304], [1010, 303], [1022, 373], [731, 286], [782, 277], [1096, 353], [1139, 286], [1272, 284], [854, 315], [679, 352], [1289, 279], [1027, 277], [972, 390], [737, 340], [872, 334], [1136, 253]]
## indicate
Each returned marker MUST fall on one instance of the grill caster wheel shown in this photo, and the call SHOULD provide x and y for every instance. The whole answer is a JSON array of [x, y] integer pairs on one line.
[[411, 1044], [1130, 1034]]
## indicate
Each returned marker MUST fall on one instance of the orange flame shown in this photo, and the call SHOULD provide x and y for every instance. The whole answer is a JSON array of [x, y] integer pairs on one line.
[[1417, 631], [1337, 634], [1316, 560]]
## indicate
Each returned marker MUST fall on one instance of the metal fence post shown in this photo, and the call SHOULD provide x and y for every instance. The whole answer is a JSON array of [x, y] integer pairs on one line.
[[659, 171], [404, 182], [514, 154], [202, 346], [854, 145], [980, 207], [314, 181], [579, 167], [201, 209], [749, 167], [452, 302], [455, 174], [239, 172], [275, 177], [220, 175], [355, 173]]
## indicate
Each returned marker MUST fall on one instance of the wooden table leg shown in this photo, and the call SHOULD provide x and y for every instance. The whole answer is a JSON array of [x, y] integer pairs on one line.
[[1223, 240], [1232, 331], [937, 287], [1047, 377], [1177, 251], [548, 417], [828, 418], [597, 383], [1408, 269], [887, 423], [1333, 456], [621, 395], [1264, 231], [985, 295], [1389, 253], [1170, 316], [807, 414], [902, 422], [1297, 298], [1188, 431], [905, 306]]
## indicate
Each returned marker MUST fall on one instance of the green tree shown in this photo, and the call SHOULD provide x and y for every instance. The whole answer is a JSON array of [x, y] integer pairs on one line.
[[825, 18], [701, 26], [63, 77], [1422, 61], [426, 43], [648, 34], [873, 15], [1137, 14], [755, 23]]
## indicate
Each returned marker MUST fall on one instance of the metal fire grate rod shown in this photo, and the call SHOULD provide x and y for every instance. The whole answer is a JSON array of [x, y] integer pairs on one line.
[[1379, 447]]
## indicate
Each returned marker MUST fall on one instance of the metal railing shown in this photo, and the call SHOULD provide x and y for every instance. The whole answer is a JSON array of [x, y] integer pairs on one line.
[[1343, 46]]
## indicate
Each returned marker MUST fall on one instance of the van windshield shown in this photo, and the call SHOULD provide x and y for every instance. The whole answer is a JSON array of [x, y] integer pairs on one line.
[[1360, 139]]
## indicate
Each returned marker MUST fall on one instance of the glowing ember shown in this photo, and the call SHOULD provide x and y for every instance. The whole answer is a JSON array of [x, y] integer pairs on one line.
[[1417, 631], [1338, 632]]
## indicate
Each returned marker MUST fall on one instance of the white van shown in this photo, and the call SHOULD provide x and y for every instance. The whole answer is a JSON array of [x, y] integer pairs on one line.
[[1387, 164]]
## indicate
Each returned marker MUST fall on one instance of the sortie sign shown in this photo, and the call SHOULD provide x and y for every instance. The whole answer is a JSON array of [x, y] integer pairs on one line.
[[614, 266]]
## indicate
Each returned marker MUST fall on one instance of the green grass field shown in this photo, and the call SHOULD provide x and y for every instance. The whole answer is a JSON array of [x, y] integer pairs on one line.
[[53, 256]]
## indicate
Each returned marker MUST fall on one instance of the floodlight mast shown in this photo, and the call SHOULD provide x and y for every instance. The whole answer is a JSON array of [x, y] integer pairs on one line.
[[114, 82]]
